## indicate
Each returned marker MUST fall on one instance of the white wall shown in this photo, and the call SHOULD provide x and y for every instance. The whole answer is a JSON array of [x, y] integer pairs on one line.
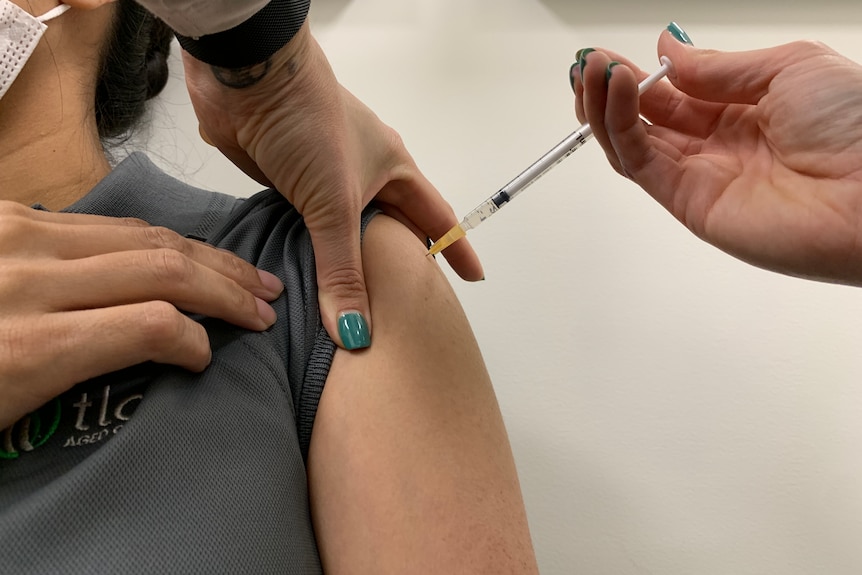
[[672, 410]]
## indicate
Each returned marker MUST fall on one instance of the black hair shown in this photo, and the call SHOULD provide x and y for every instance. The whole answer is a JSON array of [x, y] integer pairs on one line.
[[134, 69]]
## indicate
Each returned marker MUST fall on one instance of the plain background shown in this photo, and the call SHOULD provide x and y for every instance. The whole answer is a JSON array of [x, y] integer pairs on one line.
[[671, 409]]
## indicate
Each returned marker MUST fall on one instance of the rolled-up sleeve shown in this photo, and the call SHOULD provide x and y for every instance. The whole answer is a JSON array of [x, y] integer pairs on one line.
[[194, 18]]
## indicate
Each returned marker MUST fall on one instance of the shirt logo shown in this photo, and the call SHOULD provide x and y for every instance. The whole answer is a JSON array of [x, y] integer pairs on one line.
[[95, 426], [90, 419], [32, 431]]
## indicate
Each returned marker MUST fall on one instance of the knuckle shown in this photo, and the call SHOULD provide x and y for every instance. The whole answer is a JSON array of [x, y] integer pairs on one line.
[[329, 222], [237, 268], [13, 209], [169, 266], [133, 222], [161, 326], [813, 49], [14, 229], [237, 297], [17, 348], [168, 335], [199, 352], [243, 300], [344, 283], [809, 46], [16, 277], [241, 296], [394, 141], [160, 237]]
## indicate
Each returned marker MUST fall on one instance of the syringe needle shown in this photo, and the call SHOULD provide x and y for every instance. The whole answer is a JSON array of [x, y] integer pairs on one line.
[[508, 192]]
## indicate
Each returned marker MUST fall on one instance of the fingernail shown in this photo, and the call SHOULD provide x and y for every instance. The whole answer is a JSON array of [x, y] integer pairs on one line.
[[353, 330], [270, 282], [572, 72], [677, 32], [265, 311], [582, 59], [608, 71]]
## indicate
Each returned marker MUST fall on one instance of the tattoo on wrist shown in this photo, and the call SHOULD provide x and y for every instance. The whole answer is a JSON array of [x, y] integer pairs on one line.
[[240, 78]]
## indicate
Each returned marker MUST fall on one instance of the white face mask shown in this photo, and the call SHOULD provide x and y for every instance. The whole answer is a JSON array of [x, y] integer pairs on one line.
[[20, 32]]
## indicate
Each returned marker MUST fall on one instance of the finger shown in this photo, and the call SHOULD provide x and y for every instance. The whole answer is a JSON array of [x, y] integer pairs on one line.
[[594, 67], [654, 165], [421, 203], [72, 243], [89, 343], [731, 77], [578, 87], [399, 216], [467, 260], [662, 105], [204, 136], [15, 210], [665, 105], [344, 307], [237, 155], [122, 278]]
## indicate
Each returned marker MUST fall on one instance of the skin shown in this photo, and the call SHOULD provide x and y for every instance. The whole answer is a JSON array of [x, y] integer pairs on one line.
[[410, 468], [758, 153], [146, 276], [288, 122]]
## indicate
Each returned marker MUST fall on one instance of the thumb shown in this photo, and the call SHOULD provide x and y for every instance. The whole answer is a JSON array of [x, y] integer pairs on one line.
[[725, 77], [344, 306]]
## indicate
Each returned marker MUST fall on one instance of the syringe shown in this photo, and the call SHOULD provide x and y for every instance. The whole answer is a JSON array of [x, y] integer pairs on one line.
[[508, 192]]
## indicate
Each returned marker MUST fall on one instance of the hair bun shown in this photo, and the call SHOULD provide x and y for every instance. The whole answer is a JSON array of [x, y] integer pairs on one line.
[[134, 69], [157, 58]]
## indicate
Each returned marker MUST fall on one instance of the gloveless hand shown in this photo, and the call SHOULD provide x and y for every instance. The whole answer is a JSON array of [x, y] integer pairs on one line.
[[290, 124], [758, 153], [81, 296]]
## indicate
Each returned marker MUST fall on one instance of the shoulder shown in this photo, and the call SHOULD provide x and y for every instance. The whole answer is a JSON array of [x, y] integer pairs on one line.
[[398, 269], [409, 461], [414, 307]]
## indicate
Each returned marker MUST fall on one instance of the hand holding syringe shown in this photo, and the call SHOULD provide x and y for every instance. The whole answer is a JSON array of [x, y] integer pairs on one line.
[[508, 192]]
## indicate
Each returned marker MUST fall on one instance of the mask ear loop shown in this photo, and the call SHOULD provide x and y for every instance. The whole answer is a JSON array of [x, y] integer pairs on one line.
[[53, 13]]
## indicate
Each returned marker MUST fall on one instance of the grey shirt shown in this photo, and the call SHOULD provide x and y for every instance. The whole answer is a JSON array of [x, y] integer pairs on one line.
[[154, 469]]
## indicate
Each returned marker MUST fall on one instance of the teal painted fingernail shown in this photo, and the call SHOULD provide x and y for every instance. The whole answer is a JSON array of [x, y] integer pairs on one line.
[[582, 59], [572, 71], [353, 330], [678, 33], [608, 70]]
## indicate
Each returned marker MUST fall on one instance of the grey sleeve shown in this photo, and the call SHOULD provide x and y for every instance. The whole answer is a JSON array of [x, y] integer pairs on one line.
[[308, 390], [267, 231]]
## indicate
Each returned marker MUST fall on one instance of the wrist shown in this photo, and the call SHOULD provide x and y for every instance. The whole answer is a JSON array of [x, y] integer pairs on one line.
[[255, 41], [284, 63]]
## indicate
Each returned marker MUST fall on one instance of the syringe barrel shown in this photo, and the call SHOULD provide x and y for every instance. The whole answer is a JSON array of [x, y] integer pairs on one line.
[[541, 166], [480, 214]]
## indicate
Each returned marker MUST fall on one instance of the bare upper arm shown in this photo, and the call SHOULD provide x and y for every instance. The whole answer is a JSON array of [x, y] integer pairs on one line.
[[410, 469]]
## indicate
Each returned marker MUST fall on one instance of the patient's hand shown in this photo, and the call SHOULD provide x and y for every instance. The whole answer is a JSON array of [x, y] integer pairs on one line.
[[81, 296]]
